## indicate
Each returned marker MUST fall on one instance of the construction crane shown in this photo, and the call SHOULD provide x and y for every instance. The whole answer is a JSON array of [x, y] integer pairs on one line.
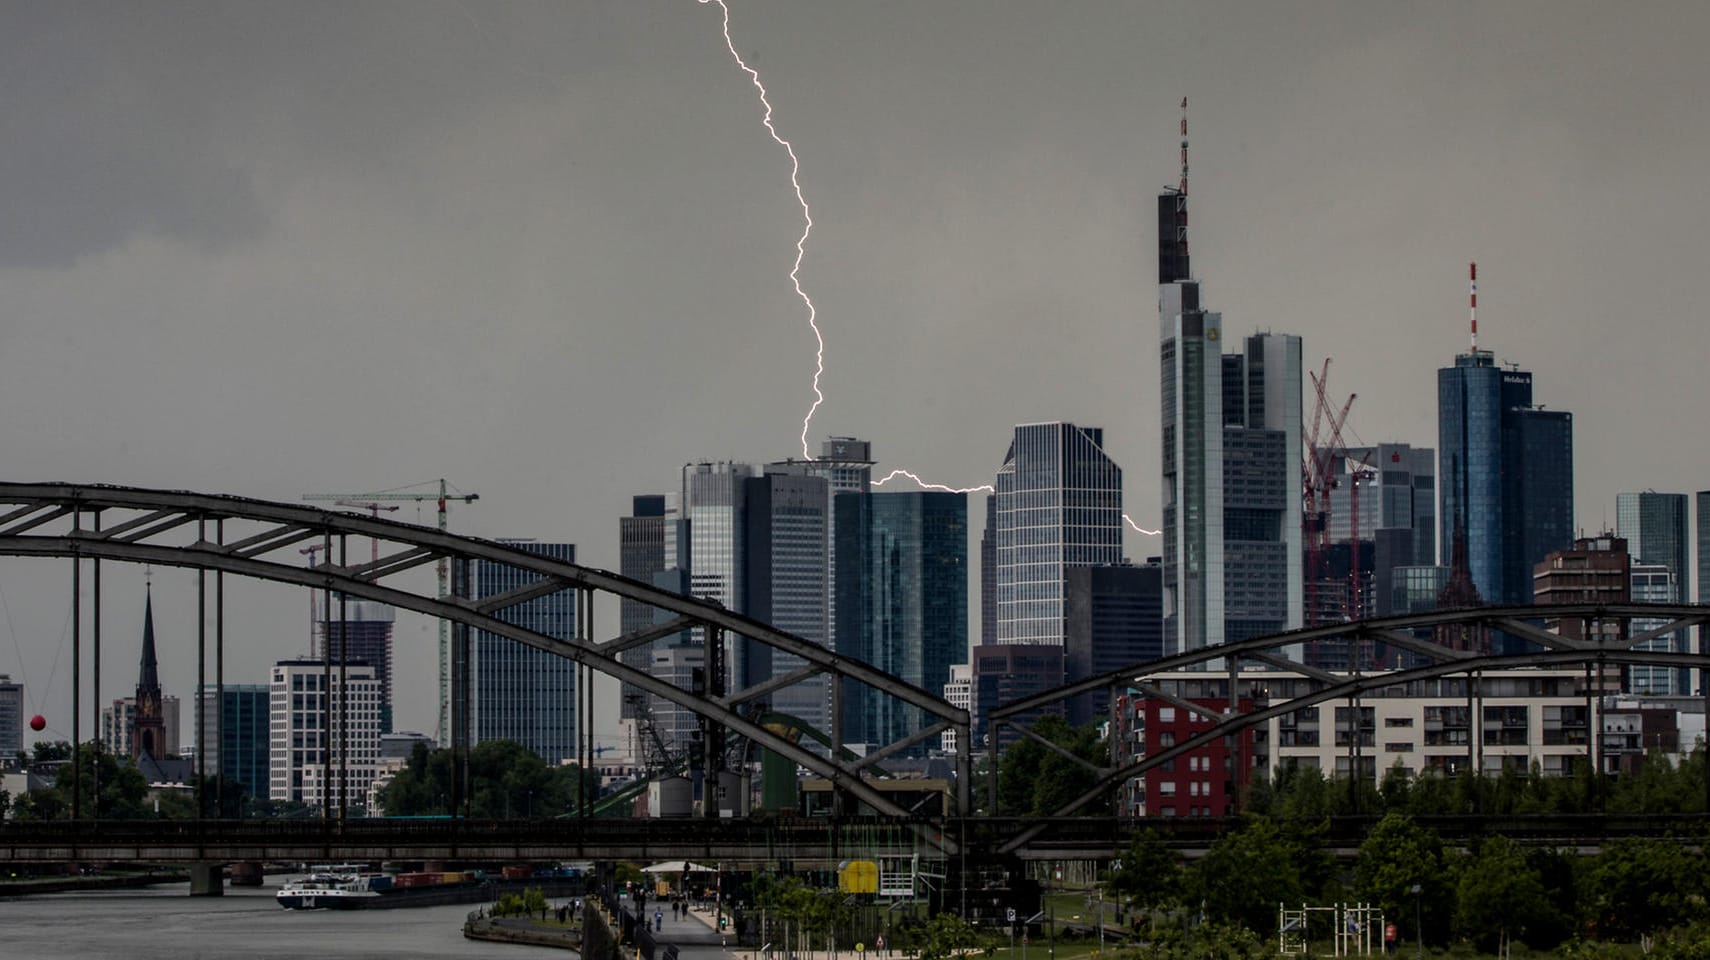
[[374, 511], [443, 497], [1322, 474]]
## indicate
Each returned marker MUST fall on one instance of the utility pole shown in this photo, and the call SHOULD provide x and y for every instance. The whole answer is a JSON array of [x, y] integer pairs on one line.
[[442, 496]]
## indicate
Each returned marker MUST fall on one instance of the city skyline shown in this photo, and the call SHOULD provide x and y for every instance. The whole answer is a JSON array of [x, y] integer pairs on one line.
[[271, 291]]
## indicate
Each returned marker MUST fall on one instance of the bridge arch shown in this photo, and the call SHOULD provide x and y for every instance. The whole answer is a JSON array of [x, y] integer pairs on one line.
[[172, 528]]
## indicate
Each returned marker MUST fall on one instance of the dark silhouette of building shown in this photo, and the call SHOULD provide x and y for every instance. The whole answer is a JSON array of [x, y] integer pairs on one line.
[[1112, 617], [1597, 570]]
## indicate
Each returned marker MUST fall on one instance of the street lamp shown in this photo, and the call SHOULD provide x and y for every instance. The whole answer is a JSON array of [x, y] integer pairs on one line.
[[1418, 928]]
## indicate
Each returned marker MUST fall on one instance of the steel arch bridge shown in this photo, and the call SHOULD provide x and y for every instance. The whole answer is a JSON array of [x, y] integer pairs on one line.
[[248, 537], [1602, 646]]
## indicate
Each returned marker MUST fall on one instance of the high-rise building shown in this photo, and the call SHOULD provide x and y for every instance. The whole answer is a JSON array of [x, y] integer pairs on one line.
[[1397, 487], [902, 606], [1596, 570], [1654, 583], [1059, 504], [518, 692], [233, 737], [1703, 554], [1009, 672], [364, 628], [1506, 474], [1655, 528], [714, 510], [11, 719], [988, 574], [1113, 617], [321, 750], [1231, 450], [641, 554], [786, 584]]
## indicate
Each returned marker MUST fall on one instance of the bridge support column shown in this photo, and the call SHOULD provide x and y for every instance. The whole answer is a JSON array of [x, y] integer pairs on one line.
[[207, 880]]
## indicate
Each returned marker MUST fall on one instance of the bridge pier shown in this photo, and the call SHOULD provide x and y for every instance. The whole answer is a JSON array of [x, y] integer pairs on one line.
[[207, 880]]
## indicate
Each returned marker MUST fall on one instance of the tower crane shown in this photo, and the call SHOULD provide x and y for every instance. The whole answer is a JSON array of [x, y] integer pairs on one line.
[[443, 497]]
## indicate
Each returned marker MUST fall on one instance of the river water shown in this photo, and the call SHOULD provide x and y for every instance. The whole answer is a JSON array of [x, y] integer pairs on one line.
[[166, 923]]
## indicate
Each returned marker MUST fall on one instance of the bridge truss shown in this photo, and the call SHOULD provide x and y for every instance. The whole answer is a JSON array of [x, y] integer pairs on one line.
[[1608, 641], [251, 538]]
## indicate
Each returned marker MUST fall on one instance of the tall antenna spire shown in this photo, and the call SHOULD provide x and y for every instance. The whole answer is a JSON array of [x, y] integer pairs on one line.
[[1472, 301], [1183, 186]]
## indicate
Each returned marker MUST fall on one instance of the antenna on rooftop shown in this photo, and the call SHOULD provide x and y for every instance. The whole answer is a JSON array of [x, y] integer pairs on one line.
[[1472, 299], [1183, 186]]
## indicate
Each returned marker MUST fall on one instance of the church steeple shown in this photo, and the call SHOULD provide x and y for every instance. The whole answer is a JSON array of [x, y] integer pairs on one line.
[[148, 722]]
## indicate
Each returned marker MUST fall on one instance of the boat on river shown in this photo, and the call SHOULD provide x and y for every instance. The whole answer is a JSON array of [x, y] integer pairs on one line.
[[332, 891]]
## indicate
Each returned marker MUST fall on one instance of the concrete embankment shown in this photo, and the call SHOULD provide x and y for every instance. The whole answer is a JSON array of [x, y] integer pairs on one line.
[[512, 930], [22, 887]]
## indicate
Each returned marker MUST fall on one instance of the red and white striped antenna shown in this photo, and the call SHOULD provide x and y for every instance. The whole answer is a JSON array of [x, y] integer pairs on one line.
[[1183, 186], [1472, 301]]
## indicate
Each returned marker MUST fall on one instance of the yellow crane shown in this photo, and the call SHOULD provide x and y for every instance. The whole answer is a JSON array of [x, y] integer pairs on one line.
[[443, 496]]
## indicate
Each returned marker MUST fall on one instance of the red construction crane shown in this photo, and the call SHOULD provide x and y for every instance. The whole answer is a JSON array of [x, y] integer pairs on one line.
[[374, 511], [1323, 473]]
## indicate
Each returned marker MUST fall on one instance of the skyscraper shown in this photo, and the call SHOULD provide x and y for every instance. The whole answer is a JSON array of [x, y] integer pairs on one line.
[[1059, 504], [518, 692], [324, 732], [365, 629], [1113, 617], [786, 584], [1654, 526], [714, 510], [902, 587], [11, 719], [641, 554], [1506, 474], [1231, 450]]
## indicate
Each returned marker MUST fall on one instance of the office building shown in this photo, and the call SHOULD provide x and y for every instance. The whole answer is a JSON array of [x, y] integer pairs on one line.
[[714, 510], [1654, 583], [988, 574], [1655, 528], [1397, 511], [902, 602], [1597, 570], [1007, 673], [958, 692], [516, 691], [641, 554], [786, 584], [1506, 474], [361, 633], [11, 719], [1231, 453], [1113, 618], [1059, 504], [233, 735], [323, 749]]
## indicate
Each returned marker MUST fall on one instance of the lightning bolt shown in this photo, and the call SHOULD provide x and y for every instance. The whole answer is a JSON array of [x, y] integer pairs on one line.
[[807, 225], [986, 487], [796, 280], [927, 485]]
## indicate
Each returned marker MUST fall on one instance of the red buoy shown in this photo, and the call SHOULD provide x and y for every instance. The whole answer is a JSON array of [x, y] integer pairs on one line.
[[38, 723]]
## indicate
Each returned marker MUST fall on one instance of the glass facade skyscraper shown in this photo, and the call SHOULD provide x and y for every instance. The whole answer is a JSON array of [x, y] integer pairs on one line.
[[1506, 474], [1230, 456], [902, 601], [518, 692], [1654, 526], [1059, 504], [785, 577], [237, 748], [641, 554]]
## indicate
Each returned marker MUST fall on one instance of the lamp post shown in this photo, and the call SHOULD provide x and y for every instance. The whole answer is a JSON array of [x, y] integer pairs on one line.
[[1418, 928]]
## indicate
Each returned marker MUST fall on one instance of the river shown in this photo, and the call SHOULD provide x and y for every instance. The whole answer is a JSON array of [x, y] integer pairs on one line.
[[166, 923]]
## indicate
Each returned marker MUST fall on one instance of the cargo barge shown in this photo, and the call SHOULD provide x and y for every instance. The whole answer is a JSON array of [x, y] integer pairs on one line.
[[379, 891]]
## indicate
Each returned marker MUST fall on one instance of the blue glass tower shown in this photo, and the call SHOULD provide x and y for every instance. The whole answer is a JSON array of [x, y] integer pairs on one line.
[[520, 693], [902, 600], [235, 735], [1506, 473]]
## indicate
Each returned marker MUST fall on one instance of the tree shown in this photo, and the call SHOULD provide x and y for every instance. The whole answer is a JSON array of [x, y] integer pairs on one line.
[[946, 935], [1245, 874], [51, 752], [1640, 886], [1397, 855], [1150, 874], [506, 780], [1036, 781], [1500, 896]]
